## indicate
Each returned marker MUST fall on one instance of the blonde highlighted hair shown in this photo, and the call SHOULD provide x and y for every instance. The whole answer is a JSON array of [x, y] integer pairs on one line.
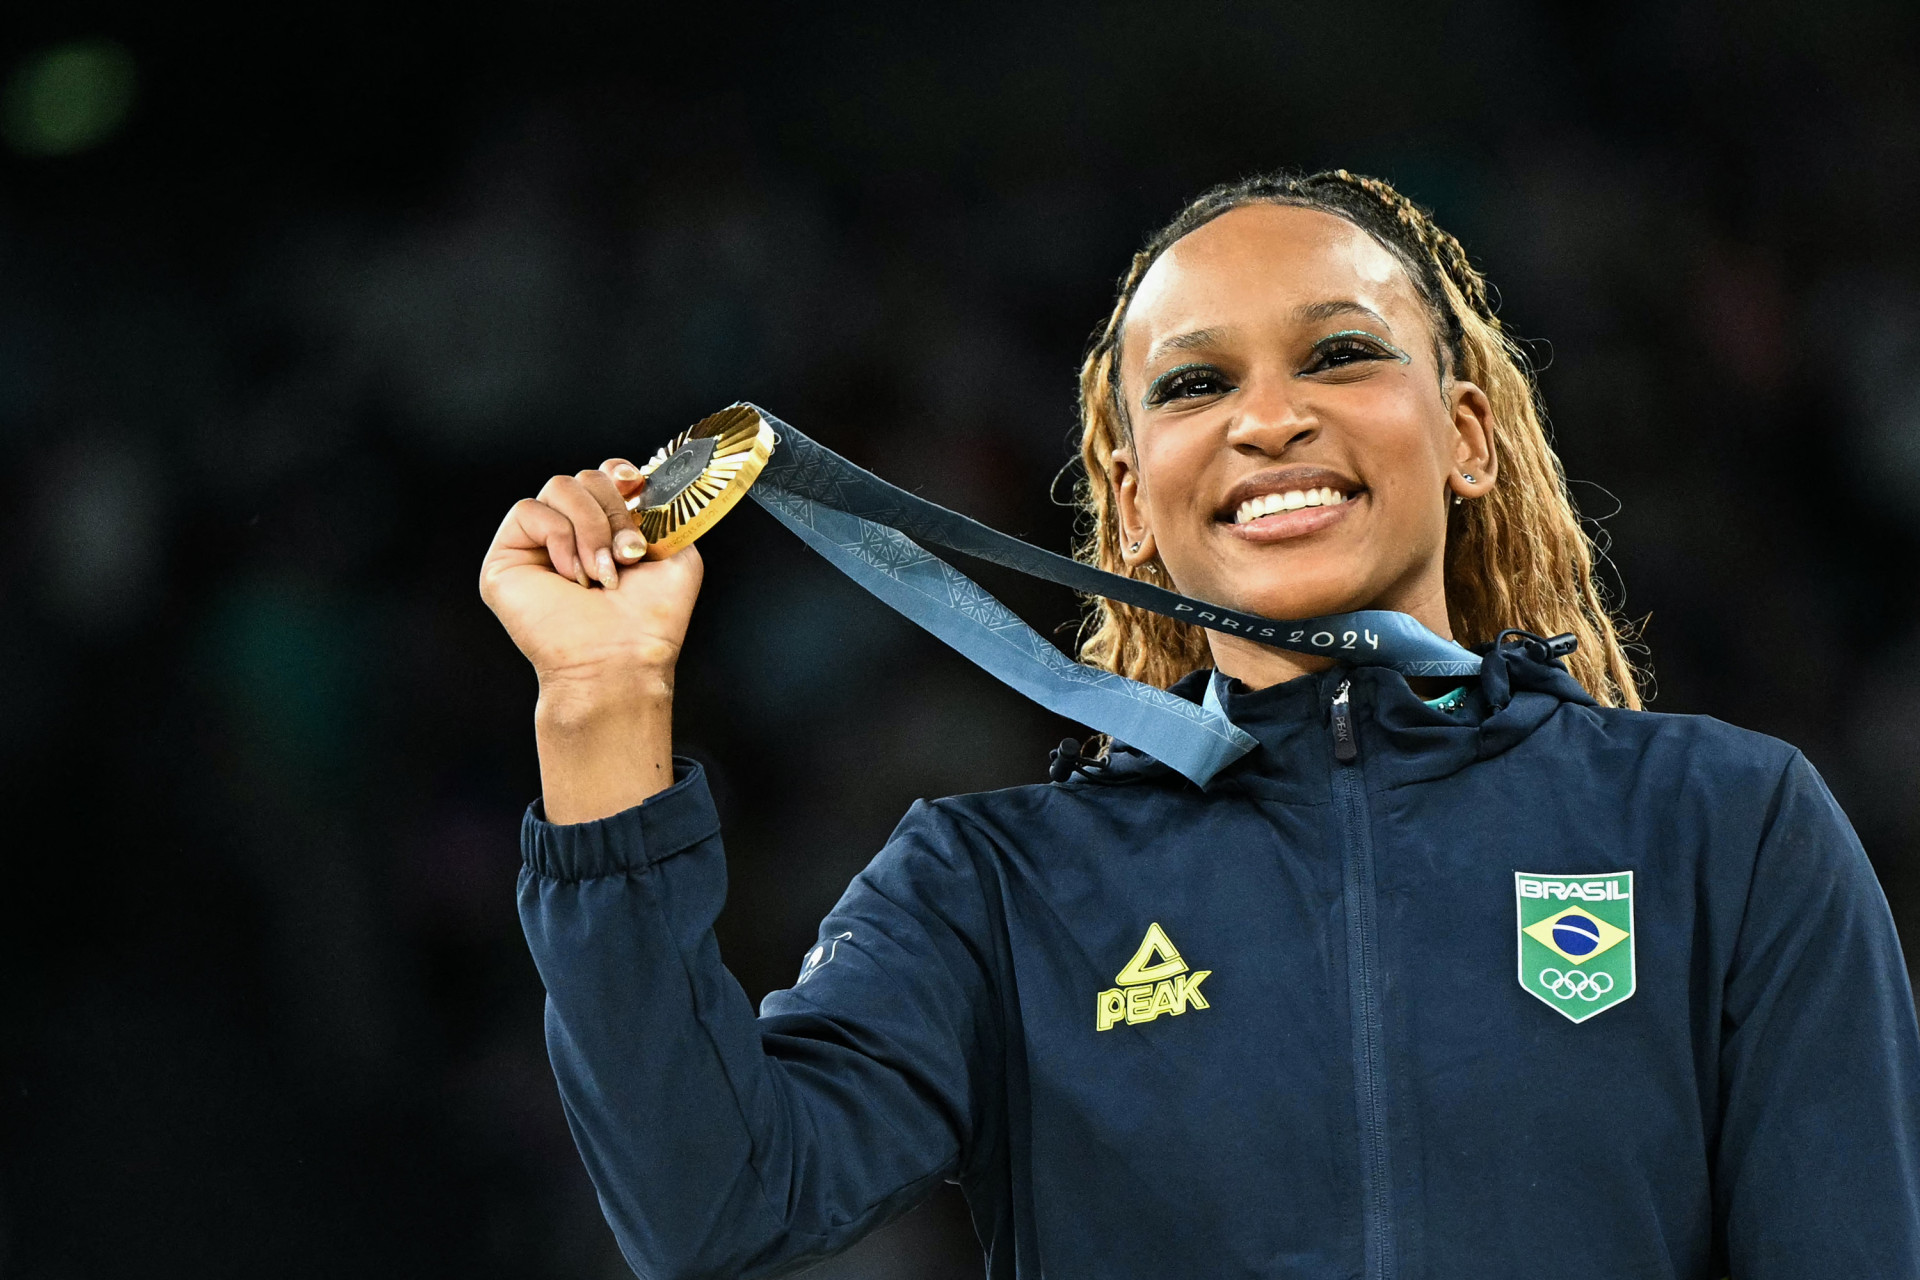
[[1515, 558]]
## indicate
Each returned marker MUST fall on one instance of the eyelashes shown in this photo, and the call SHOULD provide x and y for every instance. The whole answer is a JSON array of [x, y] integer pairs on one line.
[[1336, 351], [1350, 346], [1187, 382]]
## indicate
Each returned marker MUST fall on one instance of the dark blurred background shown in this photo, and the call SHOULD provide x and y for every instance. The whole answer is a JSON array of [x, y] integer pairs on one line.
[[294, 304]]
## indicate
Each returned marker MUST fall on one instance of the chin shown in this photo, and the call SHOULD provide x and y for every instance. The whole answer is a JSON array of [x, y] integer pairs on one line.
[[1302, 596], [1308, 577]]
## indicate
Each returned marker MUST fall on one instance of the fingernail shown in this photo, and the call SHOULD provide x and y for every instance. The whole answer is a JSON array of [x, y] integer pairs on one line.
[[630, 545], [609, 576], [580, 576], [626, 471]]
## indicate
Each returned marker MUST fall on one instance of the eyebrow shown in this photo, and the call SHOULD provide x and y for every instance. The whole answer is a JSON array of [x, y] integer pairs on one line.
[[1338, 307], [1306, 313], [1192, 340]]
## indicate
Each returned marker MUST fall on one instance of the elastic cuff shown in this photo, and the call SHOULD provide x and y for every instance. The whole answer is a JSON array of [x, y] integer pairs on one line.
[[653, 830]]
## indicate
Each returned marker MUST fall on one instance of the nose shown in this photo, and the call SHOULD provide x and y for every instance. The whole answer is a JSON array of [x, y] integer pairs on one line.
[[1270, 421]]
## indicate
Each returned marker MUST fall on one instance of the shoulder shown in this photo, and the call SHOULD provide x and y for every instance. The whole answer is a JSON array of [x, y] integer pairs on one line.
[[952, 838], [1692, 782], [997, 822], [947, 862], [984, 833], [1045, 813], [1692, 748]]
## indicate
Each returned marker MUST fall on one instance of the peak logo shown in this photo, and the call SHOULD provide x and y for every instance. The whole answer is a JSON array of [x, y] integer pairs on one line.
[[1156, 981]]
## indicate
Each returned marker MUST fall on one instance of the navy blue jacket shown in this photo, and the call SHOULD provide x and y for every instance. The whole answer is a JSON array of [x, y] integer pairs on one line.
[[1342, 1076]]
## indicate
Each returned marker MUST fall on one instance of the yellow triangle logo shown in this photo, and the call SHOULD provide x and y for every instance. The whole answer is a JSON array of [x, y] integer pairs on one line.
[[1587, 934], [1144, 968]]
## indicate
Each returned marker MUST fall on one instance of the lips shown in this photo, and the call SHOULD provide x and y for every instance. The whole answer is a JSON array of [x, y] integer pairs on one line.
[[1295, 499]]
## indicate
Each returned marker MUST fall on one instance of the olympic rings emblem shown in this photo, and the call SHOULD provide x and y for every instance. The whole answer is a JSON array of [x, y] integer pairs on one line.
[[1565, 986]]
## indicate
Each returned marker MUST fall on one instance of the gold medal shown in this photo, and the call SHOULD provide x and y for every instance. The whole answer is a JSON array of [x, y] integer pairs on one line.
[[697, 477]]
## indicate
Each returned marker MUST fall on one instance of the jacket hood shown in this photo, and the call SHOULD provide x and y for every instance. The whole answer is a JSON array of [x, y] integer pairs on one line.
[[1401, 738]]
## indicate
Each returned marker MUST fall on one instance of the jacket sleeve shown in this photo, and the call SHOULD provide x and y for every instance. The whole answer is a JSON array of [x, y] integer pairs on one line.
[[1818, 1169], [722, 1144]]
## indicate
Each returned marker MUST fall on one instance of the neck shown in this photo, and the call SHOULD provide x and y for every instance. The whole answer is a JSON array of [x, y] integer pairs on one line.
[[1256, 665]]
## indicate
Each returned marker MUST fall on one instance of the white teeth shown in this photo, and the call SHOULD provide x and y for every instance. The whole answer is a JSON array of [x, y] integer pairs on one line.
[[1294, 499]]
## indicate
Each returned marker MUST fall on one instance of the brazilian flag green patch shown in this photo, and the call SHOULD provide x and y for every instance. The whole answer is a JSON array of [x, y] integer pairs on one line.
[[1576, 940]]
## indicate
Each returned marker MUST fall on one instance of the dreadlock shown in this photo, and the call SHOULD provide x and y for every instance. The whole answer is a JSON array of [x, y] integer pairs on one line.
[[1516, 557]]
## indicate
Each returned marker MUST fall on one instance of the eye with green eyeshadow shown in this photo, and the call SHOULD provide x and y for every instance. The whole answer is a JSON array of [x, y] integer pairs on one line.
[[1187, 382], [1350, 347]]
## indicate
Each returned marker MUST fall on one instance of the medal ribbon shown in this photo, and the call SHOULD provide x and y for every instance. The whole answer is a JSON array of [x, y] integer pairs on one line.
[[871, 531]]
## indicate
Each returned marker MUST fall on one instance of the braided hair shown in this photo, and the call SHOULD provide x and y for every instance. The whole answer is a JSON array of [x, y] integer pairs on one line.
[[1516, 557]]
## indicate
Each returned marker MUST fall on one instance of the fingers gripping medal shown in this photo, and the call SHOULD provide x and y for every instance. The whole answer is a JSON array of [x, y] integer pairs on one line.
[[698, 476]]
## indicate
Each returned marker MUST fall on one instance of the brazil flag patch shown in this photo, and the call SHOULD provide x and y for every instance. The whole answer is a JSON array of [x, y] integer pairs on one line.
[[1576, 939]]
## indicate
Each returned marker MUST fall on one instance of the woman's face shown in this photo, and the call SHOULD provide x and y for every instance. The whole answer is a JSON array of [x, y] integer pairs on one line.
[[1295, 442]]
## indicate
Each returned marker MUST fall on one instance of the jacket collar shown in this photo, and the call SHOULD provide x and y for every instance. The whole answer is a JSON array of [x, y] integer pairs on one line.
[[1401, 738]]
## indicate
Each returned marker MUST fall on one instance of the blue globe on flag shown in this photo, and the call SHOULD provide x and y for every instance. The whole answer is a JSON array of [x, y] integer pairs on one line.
[[1576, 935]]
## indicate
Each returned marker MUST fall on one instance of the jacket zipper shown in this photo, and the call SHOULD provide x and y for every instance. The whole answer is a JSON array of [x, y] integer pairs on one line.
[[1369, 1066]]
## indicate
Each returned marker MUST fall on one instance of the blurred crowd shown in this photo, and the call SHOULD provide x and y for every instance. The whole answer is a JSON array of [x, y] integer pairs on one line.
[[292, 310]]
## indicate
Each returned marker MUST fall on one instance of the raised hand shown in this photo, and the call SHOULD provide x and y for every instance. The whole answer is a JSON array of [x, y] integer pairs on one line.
[[603, 626]]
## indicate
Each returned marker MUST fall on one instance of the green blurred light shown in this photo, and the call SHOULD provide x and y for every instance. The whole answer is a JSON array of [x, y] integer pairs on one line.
[[68, 98]]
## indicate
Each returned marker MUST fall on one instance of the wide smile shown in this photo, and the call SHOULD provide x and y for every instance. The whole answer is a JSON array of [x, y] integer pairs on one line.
[[1280, 507]]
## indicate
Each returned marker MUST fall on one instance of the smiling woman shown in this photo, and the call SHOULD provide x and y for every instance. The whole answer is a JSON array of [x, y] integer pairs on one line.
[[1415, 986], [1323, 326]]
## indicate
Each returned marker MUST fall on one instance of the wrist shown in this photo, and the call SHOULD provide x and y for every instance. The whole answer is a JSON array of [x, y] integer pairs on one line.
[[578, 698], [605, 745]]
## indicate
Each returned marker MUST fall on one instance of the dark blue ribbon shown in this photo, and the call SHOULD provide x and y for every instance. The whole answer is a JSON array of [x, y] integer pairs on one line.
[[871, 531]]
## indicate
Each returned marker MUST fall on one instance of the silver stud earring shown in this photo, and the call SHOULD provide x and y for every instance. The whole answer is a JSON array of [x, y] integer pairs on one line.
[[1134, 547], [1466, 477]]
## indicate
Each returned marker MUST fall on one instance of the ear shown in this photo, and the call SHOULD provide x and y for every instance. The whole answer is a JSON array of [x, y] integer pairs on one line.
[[1136, 534], [1474, 464]]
